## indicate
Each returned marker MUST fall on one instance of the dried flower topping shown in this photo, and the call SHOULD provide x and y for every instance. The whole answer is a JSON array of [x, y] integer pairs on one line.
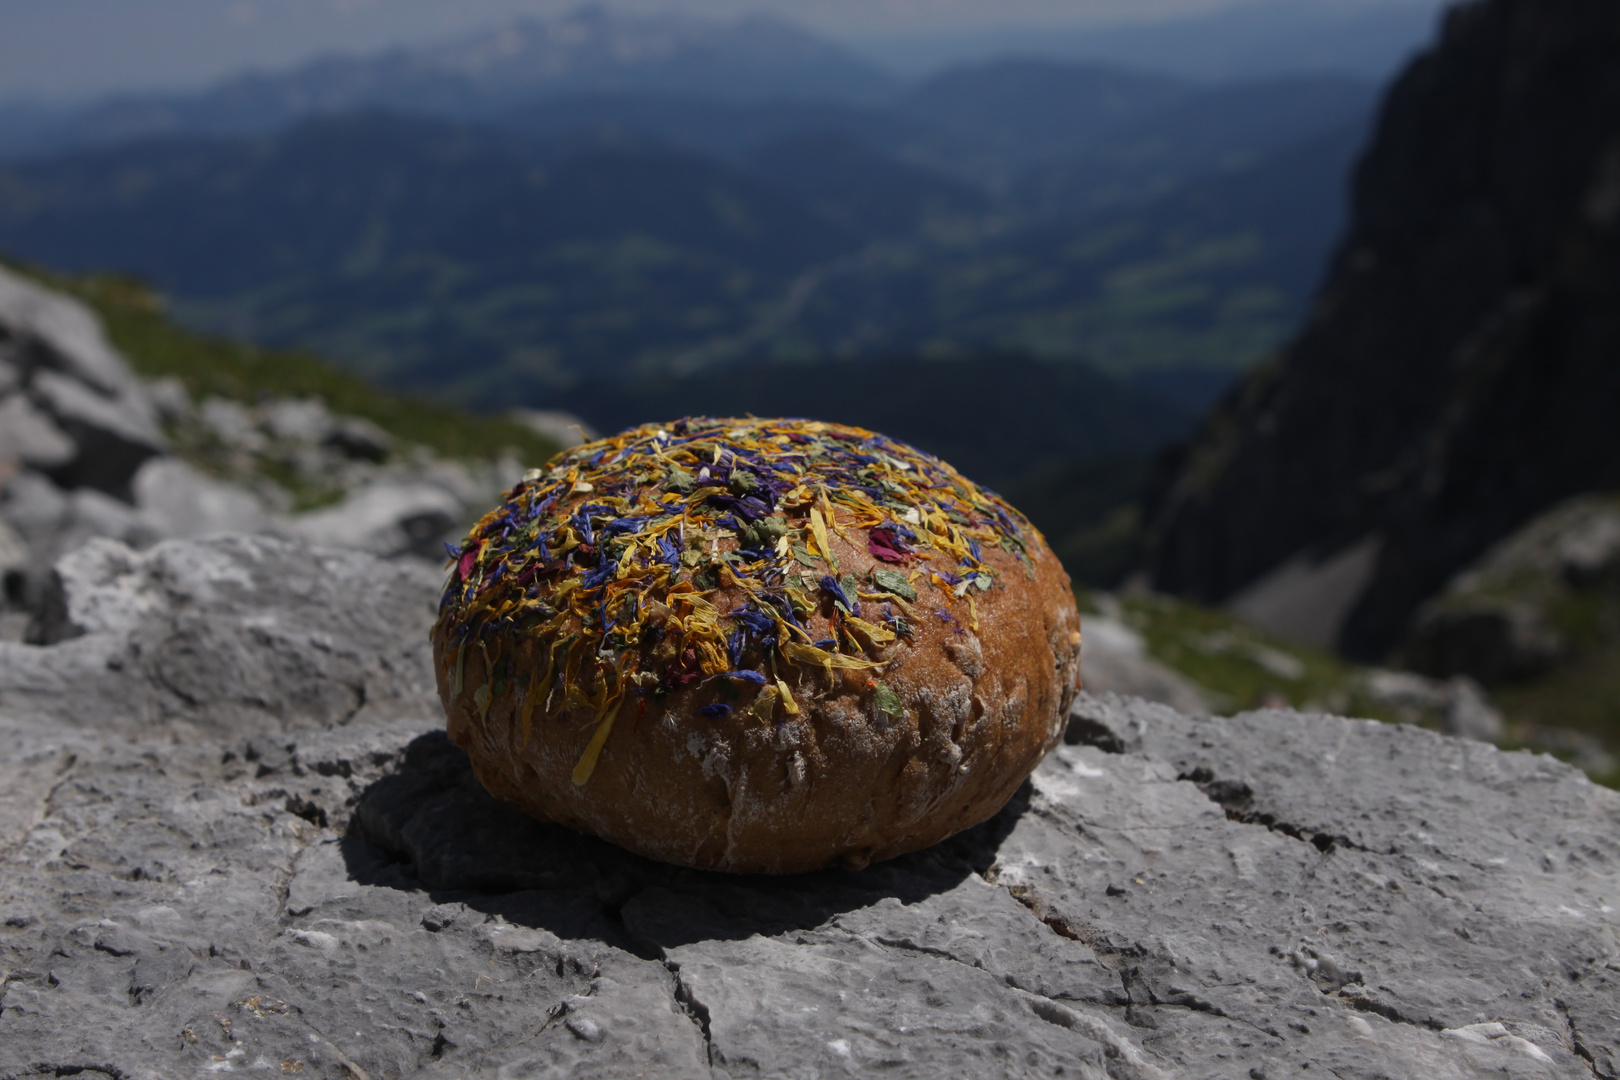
[[699, 557]]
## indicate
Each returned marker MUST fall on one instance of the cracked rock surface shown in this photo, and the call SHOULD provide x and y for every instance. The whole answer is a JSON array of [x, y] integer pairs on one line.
[[222, 888]]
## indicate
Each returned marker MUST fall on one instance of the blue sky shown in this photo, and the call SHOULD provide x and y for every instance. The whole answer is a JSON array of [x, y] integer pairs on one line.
[[56, 49]]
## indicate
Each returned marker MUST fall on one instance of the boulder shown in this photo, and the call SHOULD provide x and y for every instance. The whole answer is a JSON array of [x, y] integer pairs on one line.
[[1517, 612], [50, 522], [1459, 703], [1590, 549], [390, 518], [51, 330], [79, 412], [229, 634], [30, 437], [1469, 713], [358, 438], [232, 424], [1269, 895], [1491, 639], [170, 399], [33, 506], [89, 514], [305, 420], [185, 503], [114, 436]]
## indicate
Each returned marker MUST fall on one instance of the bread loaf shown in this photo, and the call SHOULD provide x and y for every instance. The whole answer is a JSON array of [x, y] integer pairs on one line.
[[756, 645]]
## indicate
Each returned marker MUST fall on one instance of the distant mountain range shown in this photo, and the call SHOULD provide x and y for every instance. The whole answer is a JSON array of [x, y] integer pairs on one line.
[[1043, 270], [1260, 39], [1066, 211], [592, 50]]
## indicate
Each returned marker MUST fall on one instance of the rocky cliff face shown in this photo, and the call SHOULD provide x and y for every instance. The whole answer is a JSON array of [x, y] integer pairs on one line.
[[1461, 370]]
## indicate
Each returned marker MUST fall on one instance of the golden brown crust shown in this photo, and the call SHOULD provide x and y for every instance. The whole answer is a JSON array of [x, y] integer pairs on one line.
[[844, 781]]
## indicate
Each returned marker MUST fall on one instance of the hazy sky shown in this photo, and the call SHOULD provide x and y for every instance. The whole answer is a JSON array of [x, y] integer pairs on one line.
[[76, 48]]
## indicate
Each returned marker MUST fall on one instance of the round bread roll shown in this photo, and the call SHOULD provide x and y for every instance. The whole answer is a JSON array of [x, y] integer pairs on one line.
[[760, 646]]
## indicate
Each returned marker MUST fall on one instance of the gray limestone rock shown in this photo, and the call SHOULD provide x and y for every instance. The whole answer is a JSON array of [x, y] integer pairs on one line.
[[183, 502], [305, 420], [232, 424], [52, 522], [57, 332], [14, 554], [359, 438], [204, 869], [1168, 897], [33, 505], [229, 634], [89, 514], [77, 410], [387, 518], [1470, 714], [113, 435], [171, 401], [1508, 616], [31, 437]]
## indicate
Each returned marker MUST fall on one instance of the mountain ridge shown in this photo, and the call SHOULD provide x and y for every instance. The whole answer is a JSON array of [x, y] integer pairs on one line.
[[590, 49], [298, 237]]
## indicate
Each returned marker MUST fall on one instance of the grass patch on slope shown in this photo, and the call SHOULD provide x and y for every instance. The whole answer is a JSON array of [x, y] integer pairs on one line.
[[1245, 667], [1241, 667]]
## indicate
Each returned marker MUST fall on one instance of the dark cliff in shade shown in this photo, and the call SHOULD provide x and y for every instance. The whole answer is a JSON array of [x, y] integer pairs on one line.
[[1461, 369]]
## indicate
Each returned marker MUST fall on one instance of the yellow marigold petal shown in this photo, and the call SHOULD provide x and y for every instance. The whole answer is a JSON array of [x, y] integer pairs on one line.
[[587, 760]]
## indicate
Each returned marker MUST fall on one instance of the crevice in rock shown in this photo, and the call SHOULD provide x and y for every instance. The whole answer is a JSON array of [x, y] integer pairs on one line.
[[1388, 1012], [1064, 927], [45, 1068], [1083, 730], [1580, 1049], [359, 689], [695, 1010], [921, 950], [1134, 989], [1237, 800], [649, 950], [307, 809], [1348, 986], [1109, 955], [1065, 1013]]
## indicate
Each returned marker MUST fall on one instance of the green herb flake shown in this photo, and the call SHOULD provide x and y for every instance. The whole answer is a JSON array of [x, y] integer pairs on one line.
[[802, 553], [888, 702], [680, 480], [850, 586], [892, 581]]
